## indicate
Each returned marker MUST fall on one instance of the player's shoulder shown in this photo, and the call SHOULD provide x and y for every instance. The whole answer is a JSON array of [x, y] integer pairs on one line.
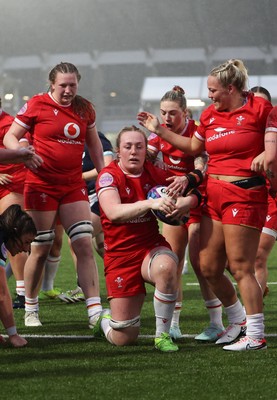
[[108, 176], [6, 118], [273, 112], [37, 100], [112, 169], [208, 115], [41, 97], [272, 119]]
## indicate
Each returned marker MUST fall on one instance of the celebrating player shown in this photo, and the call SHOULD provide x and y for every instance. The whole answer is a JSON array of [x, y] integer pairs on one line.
[[173, 111], [232, 132]]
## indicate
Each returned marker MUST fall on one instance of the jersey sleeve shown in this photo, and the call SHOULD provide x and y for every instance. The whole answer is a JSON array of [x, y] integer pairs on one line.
[[264, 108], [26, 116], [107, 178], [200, 130], [153, 144], [271, 124]]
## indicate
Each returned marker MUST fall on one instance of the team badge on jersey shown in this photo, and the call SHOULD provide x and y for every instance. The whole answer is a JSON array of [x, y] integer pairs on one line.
[[240, 119], [23, 109], [152, 136], [43, 197], [119, 281], [105, 180]]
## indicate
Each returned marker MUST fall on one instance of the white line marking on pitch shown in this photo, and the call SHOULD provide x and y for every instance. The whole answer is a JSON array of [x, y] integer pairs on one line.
[[91, 336]]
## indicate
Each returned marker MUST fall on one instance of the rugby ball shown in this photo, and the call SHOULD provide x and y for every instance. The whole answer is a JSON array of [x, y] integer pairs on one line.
[[161, 191]]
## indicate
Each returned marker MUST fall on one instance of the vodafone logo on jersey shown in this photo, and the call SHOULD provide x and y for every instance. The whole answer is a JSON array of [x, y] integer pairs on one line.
[[175, 160], [71, 130]]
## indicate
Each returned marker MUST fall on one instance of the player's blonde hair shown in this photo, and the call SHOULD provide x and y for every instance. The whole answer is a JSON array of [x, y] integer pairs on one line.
[[232, 72]]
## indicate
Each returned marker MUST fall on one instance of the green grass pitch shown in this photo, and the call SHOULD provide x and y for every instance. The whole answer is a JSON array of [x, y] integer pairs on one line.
[[63, 361]]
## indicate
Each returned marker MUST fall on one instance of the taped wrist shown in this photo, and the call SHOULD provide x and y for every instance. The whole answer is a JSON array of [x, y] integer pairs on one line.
[[195, 178], [197, 194]]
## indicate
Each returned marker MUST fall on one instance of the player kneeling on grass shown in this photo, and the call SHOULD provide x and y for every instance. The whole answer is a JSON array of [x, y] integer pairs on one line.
[[17, 231], [135, 252]]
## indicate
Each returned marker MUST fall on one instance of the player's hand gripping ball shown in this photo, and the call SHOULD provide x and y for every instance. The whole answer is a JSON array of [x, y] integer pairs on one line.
[[161, 191]]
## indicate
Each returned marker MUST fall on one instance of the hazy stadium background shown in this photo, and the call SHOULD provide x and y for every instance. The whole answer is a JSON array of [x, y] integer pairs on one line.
[[122, 47]]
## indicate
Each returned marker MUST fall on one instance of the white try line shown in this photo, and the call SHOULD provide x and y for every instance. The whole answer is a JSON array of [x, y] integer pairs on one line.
[[80, 337]]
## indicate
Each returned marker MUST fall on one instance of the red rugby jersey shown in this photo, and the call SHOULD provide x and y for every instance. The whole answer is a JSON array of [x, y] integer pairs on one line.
[[58, 136], [233, 139]]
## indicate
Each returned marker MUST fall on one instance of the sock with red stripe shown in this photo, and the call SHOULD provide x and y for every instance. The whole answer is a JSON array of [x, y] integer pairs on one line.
[[214, 308], [31, 304], [20, 288], [164, 305], [94, 306]]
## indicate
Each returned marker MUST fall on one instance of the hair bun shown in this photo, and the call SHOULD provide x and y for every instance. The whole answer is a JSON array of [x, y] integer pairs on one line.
[[178, 89]]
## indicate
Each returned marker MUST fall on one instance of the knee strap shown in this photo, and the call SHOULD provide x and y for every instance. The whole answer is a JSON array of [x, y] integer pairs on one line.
[[169, 252], [79, 230], [135, 323], [44, 237]]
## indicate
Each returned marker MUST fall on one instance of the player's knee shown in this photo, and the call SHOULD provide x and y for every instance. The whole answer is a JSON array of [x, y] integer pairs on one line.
[[124, 333], [129, 323], [210, 271], [163, 268], [80, 230], [44, 238], [123, 337], [166, 260], [168, 268]]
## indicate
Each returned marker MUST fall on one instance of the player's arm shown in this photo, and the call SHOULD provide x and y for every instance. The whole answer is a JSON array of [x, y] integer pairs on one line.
[[185, 203], [5, 179], [270, 164], [95, 148], [12, 142], [181, 185], [16, 156], [151, 154], [257, 164], [92, 173], [201, 161], [13, 136], [188, 145], [118, 212]]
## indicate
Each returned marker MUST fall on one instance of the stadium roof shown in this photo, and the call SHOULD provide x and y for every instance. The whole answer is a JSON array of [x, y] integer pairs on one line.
[[118, 43]]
